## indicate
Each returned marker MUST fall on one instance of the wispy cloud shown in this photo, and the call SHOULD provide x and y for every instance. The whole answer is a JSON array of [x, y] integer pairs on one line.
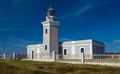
[[113, 46], [116, 41], [87, 7], [90, 5], [78, 12], [116, 28], [16, 1], [16, 45], [65, 39], [17, 29], [7, 19]]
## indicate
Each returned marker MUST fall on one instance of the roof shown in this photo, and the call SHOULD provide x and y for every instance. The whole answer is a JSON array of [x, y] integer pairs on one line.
[[82, 41]]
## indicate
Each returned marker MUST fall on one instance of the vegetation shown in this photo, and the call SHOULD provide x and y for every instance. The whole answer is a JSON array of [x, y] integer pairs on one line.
[[112, 52], [32, 67]]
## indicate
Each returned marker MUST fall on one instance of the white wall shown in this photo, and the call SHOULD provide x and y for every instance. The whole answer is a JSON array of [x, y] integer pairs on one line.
[[74, 48], [36, 49]]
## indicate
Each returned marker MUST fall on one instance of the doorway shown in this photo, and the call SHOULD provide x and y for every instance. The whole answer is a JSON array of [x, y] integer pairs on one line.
[[82, 50], [32, 54]]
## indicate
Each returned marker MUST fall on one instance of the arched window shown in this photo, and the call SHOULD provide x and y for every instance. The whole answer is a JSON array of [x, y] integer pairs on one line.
[[65, 51], [45, 47], [46, 30]]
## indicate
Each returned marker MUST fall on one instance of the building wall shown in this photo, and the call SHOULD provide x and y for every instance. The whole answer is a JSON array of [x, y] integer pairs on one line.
[[54, 39], [86, 48], [98, 47], [74, 49], [46, 38], [51, 38], [37, 49], [50, 43], [39, 53]]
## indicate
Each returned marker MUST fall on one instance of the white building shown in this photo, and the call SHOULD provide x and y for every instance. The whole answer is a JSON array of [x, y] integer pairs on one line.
[[64, 50]]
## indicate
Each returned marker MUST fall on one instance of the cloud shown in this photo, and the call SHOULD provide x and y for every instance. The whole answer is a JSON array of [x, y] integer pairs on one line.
[[116, 28], [12, 28], [78, 12], [112, 46], [88, 5], [7, 20], [116, 41], [4, 29], [15, 45], [17, 1], [65, 39]]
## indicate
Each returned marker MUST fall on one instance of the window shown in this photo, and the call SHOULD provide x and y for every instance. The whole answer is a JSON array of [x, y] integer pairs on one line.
[[82, 50], [46, 31], [45, 47], [65, 51]]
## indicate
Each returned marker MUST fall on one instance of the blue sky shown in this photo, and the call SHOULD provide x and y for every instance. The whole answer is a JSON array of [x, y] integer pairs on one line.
[[20, 22]]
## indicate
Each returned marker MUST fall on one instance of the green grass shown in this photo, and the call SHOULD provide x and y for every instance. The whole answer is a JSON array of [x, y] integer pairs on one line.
[[33, 67]]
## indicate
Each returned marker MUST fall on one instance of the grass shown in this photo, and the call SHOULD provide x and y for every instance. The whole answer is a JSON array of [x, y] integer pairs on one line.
[[33, 67]]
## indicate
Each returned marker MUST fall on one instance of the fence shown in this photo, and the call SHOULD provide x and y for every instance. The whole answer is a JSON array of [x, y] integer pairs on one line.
[[12, 56], [107, 58], [100, 58], [42, 56]]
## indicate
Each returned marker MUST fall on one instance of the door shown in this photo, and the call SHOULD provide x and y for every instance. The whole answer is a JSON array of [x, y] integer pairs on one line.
[[82, 50], [32, 54]]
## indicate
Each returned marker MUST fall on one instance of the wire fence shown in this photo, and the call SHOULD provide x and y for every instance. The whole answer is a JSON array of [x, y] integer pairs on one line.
[[100, 58], [107, 58], [103, 58]]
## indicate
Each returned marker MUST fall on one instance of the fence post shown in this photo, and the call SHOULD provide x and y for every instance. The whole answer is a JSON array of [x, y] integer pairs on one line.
[[112, 56], [4, 56], [82, 57], [54, 56], [14, 56], [119, 57]]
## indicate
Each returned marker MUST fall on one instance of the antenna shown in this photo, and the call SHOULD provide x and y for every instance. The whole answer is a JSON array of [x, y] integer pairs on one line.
[[49, 1]]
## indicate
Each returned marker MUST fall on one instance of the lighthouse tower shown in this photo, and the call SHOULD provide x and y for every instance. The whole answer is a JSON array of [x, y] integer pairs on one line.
[[50, 32]]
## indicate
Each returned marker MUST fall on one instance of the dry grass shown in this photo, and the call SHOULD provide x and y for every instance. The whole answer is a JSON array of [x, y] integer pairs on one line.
[[32, 67]]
